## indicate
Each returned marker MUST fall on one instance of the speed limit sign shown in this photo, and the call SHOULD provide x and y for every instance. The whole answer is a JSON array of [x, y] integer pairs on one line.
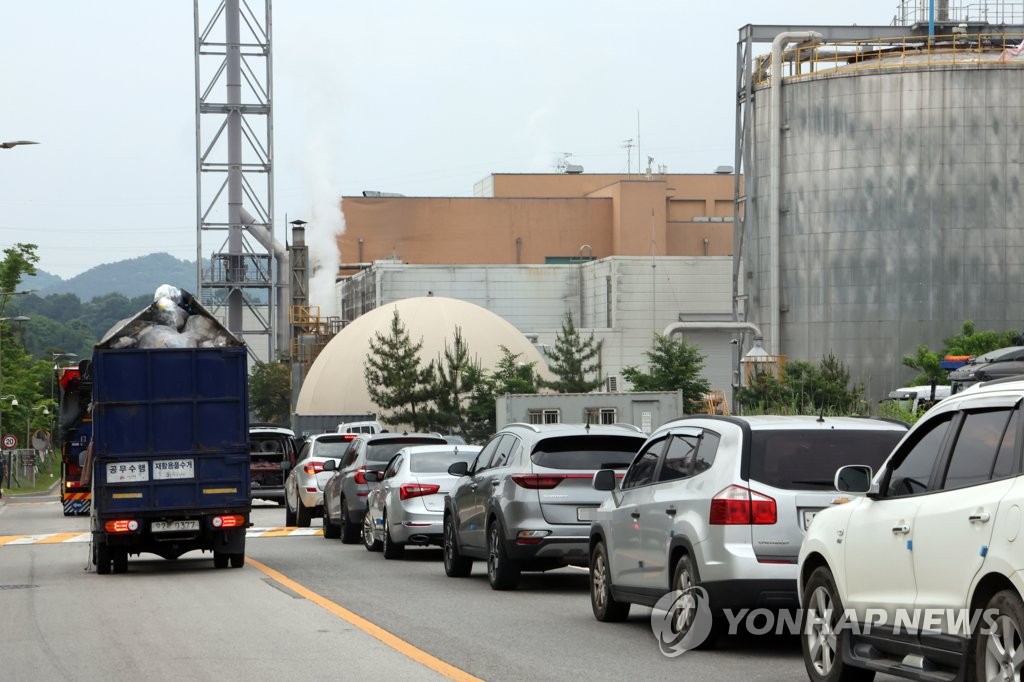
[[10, 442]]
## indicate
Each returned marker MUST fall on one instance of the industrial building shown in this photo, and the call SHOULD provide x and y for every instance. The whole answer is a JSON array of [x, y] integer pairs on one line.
[[883, 165]]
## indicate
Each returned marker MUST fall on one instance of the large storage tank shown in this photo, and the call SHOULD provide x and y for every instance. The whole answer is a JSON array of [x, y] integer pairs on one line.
[[900, 212]]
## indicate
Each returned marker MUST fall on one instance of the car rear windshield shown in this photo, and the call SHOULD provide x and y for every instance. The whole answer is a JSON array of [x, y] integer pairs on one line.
[[807, 460], [383, 451], [331, 447], [586, 452], [437, 462]]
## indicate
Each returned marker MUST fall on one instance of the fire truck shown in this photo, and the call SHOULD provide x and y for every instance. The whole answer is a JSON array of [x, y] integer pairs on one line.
[[74, 431]]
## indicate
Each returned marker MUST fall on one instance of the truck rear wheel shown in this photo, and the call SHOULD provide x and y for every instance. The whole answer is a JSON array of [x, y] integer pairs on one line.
[[119, 558], [237, 560], [101, 557], [220, 560]]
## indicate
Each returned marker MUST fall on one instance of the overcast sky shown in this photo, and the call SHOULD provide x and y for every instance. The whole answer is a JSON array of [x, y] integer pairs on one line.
[[421, 98]]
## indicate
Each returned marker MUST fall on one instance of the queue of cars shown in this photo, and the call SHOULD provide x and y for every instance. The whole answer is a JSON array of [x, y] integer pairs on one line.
[[838, 519]]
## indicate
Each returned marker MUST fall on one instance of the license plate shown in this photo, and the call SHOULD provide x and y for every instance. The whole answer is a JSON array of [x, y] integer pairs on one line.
[[164, 469], [173, 526], [585, 513], [809, 515]]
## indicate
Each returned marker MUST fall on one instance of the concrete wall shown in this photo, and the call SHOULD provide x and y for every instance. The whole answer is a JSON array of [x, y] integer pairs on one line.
[[646, 410]]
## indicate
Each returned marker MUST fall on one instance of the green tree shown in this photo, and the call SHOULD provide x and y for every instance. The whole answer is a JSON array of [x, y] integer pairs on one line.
[[927, 364], [804, 388], [573, 360], [394, 379], [270, 386], [674, 365], [19, 261], [454, 381], [968, 341], [510, 375]]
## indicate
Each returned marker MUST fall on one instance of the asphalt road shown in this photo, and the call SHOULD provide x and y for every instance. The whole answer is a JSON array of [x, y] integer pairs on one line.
[[184, 620]]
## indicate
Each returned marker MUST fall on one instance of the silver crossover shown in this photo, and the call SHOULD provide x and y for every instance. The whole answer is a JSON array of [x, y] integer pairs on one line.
[[304, 487], [407, 508], [526, 501]]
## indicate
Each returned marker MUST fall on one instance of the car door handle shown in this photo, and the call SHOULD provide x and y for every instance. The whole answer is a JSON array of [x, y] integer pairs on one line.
[[901, 530], [495, 483], [980, 517], [635, 515], [472, 486], [671, 511]]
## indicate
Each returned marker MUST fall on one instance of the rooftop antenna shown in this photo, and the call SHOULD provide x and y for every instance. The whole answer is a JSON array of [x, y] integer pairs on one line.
[[628, 145], [562, 163]]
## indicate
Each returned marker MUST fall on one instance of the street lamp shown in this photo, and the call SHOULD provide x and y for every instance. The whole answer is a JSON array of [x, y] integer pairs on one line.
[[28, 422]]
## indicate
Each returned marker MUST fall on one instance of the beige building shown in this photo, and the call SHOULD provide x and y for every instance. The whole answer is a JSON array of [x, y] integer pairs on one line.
[[545, 218]]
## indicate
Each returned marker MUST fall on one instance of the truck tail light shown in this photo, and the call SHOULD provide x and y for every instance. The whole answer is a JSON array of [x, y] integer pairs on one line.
[[121, 526], [408, 490], [360, 476], [737, 505], [229, 521]]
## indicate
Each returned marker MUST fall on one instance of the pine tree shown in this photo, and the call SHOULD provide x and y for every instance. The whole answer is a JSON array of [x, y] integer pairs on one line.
[[674, 365], [573, 359], [455, 378], [394, 379]]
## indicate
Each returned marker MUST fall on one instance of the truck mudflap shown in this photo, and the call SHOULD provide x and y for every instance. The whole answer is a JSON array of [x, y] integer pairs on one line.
[[77, 503], [115, 538]]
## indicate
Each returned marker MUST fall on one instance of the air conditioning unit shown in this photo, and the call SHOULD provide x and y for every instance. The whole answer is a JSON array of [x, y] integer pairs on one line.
[[612, 384]]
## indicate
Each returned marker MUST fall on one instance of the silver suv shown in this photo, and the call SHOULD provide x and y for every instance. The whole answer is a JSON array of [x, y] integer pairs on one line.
[[723, 503], [525, 502], [345, 492]]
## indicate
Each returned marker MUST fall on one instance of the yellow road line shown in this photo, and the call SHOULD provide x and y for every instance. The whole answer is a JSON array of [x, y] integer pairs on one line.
[[279, 533], [399, 645], [4, 539], [58, 537]]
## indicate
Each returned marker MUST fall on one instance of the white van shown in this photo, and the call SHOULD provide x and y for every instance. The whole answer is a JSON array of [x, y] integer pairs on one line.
[[361, 427]]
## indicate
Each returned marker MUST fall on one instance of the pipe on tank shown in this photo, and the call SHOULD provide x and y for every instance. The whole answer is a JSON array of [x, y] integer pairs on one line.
[[775, 280], [713, 326]]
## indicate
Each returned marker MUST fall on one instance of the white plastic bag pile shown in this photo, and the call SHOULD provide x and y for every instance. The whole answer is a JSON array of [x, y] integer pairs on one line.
[[167, 324]]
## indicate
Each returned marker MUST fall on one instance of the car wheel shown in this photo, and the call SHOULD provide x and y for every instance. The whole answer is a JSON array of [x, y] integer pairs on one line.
[[289, 515], [605, 608], [502, 572], [685, 610], [303, 516], [998, 648], [370, 541], [220, 560], [101, 557], [350, 532], [392, 549], [822, 645], [238, 560], [332, 531], [455, 565]]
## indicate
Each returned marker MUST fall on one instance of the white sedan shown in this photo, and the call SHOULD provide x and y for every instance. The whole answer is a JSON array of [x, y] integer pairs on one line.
[[407, 508]]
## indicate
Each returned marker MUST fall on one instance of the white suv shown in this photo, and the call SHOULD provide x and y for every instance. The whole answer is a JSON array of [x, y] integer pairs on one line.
[[923, 548], [721, 502]]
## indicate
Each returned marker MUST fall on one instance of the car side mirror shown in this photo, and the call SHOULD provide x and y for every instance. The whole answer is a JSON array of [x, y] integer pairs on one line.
[[604, 480], [374, 476], [330, 465], [854, 479], [458, 469]]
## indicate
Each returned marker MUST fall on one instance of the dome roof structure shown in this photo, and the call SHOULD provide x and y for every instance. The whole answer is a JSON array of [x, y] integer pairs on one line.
[[335, 383]]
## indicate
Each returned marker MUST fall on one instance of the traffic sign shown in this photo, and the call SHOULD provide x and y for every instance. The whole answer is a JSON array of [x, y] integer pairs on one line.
[[10, 442]]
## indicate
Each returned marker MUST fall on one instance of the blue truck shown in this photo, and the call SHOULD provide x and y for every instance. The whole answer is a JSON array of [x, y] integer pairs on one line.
[[170, 448]]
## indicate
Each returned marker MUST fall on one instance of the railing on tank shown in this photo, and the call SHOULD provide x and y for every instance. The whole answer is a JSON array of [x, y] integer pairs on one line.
[[910, 52], [910, 12]]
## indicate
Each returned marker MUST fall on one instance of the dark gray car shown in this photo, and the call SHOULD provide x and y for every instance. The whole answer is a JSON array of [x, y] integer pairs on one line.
[[526, 501], [345, 493]]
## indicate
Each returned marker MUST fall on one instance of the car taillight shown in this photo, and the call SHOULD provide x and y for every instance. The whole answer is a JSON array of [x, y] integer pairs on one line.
[[360, 476], [121, 526], [408, 490], [737, 505], [544, 481], [314, 467]]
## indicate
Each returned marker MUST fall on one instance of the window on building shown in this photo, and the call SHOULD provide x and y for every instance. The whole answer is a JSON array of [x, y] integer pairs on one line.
[[544, 416], [599, 415]]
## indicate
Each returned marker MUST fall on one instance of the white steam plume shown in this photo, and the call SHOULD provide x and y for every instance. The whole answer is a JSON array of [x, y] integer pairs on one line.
[[326, 223]]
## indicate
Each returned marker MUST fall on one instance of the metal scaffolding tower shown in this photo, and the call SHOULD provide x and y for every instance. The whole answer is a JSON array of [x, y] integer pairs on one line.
[[234, 169]]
